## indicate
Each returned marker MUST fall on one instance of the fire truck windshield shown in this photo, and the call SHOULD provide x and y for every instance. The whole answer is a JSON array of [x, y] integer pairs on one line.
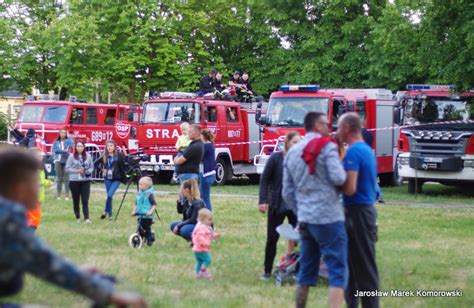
[[290, 111], [53, 114], [437, 109], [172, 112]]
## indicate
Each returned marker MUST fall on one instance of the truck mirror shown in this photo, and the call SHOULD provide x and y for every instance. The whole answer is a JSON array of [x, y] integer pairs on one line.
[[263, 120], [396, 116]]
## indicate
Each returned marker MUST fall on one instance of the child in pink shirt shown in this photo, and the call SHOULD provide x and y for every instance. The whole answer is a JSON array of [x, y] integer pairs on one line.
[[203, 235]]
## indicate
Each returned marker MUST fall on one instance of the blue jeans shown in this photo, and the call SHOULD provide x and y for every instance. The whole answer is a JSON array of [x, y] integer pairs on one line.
[[185, 232], [187, 176], [329, 240], [205, 184], [111, 187]]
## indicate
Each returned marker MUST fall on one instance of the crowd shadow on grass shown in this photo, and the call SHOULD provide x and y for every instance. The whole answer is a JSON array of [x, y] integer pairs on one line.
[[436, 190], [432, 191]]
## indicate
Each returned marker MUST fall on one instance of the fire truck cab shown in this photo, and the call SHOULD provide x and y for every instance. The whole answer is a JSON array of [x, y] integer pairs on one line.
[[90, 123], [439, 147], [288, 107], [233, 124]]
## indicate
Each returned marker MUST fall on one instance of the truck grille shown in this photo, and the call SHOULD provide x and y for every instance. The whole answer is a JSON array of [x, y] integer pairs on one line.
[[438, 143]]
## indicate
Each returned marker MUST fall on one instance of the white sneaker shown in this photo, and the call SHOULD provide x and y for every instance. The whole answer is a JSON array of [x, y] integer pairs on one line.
[[88, 221], [67, 199], [78, 220], [58, 198]]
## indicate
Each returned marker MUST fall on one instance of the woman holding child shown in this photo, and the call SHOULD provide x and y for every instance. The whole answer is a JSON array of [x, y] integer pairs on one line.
[[189, 206]]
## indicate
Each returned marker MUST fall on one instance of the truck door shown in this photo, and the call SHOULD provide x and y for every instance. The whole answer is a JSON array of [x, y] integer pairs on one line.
[[76, 124], [235, 131], [337, 109], [92, 127], [126, 125], [210, 121]]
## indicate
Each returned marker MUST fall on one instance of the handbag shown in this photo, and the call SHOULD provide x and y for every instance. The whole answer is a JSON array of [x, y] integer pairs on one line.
[[64, 157]]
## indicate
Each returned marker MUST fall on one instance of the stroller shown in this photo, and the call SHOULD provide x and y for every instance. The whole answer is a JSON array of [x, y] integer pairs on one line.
[[137, 239], [286, 270]]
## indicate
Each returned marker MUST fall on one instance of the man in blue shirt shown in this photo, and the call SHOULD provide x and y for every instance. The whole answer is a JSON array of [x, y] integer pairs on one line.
[[360, 192], [21, 251]]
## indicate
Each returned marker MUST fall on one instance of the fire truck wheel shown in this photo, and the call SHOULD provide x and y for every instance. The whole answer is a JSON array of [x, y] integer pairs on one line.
[[415, 186], [163, 178], [254, 178], [390, 179], [223, 171]]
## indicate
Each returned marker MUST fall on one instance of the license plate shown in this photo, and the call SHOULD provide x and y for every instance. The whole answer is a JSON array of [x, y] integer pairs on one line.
[[433, 160], [165, 167]]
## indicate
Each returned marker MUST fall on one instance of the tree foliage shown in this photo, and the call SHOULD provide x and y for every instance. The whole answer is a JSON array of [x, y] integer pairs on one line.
[[128, 48]]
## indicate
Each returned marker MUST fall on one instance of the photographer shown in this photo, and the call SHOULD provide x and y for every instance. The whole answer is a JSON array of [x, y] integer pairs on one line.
[[80, 168], [112, 163]]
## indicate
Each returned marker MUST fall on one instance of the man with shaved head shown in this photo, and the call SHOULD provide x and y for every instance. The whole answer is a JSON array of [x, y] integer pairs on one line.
[[360, 190]]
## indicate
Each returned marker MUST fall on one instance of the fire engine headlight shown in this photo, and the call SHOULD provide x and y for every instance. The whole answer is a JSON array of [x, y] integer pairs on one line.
[[157, 168], [469, 163], [403, 161]]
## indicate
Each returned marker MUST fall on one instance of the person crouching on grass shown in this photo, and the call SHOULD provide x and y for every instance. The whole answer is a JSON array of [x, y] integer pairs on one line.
[[145, 206], [33, 215], [203, 235]]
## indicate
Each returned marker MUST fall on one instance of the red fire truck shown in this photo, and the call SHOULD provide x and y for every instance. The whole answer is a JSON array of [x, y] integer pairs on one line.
[[233, 124], [90, 123], [288, 107], [433, 151]]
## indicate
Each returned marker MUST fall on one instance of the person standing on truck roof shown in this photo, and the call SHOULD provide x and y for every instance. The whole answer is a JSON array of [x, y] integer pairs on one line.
[[206, 85], [360, 192], [236, 81], [246, 82], [61, 148], [218, 84], [187, 165]]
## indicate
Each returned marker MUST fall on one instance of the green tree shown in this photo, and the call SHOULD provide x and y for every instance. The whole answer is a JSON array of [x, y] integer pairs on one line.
[[31, 64]]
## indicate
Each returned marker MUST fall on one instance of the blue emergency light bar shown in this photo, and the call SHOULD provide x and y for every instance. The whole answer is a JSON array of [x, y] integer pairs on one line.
[[299, 88], [429, 87]]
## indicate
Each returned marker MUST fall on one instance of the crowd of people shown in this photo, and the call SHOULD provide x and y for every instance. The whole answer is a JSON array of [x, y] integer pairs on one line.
[[239, 87], [326, 193], [307, 179], [21, 197]]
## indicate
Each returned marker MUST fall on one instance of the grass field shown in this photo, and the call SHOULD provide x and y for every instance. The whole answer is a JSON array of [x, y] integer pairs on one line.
[[419, 248]]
